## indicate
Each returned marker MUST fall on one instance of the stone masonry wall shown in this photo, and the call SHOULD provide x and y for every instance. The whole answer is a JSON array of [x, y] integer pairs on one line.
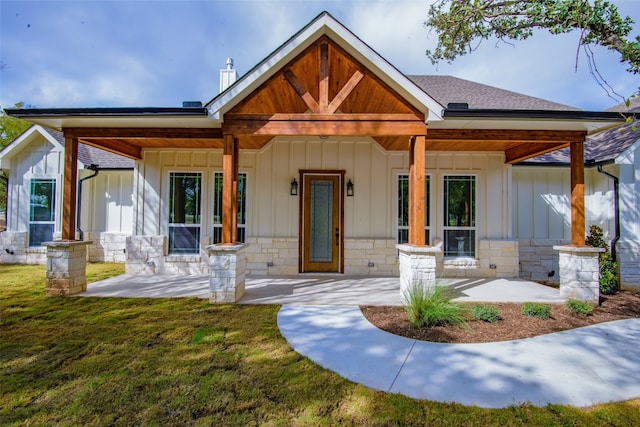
[[538, 259], [496, 258]]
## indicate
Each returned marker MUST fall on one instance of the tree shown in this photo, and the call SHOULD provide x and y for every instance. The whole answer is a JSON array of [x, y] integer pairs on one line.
[[462, 24], [10, 129]]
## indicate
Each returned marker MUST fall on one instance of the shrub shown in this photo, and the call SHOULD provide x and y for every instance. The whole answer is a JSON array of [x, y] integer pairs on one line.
[[535, 309], [608, 268], [488, 313], [579, 307], [433, 307]]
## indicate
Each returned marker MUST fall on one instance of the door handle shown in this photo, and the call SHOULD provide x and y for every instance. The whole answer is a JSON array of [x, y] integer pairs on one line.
[[337, 237]]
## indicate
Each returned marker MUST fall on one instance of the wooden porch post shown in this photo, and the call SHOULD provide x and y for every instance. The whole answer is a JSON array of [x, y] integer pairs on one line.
[[229, 189], [69, 188], [416, 190], [577, 194]]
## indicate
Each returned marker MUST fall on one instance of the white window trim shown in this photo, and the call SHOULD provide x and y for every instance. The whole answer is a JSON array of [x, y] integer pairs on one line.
[[57, 211], [213, 201], [166, 207], [396, 194], [444, 175]]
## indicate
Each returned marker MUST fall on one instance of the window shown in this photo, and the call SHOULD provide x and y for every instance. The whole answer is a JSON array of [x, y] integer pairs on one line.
[[42, 211], [459, 216], [217, 207], [184, 212], [403, 208]]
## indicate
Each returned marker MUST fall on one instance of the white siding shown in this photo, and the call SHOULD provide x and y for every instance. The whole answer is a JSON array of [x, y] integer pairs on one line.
[[369, 214], [107, 202]]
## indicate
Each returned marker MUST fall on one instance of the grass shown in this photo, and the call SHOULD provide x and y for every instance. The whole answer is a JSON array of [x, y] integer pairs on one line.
[[122, 362], [433, 307]]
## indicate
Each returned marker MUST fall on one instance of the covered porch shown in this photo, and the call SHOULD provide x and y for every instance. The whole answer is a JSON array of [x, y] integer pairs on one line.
[[314, 289]]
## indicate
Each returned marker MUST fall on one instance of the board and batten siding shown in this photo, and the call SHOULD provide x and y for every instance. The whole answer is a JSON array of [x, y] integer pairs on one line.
[[542, 202], [40, 160], [370, 214], [107, 202]]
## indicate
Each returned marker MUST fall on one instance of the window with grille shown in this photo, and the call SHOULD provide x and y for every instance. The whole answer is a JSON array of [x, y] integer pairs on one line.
[[217, 207], [403, 209]]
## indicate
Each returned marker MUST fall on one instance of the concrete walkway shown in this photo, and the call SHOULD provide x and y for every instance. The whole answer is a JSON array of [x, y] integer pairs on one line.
[[318, 289], [580, 367]]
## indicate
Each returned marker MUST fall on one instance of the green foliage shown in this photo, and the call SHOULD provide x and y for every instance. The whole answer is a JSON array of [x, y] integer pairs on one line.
[[433, 307], [461, 25], [10, 129], [536, 309], [488, 313], [579, 307], [182, 361], [608, 268]]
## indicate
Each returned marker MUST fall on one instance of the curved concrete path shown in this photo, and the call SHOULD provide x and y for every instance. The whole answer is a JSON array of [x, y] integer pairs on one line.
[[579, 367]]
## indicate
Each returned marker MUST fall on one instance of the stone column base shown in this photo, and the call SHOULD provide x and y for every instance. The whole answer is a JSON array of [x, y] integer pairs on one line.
[[417, 268], [227, 271], [579, 272], [66, 267]]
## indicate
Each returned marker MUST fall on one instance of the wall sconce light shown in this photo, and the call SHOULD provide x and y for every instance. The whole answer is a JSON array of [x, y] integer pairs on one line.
[[349, 188], [294, 188]]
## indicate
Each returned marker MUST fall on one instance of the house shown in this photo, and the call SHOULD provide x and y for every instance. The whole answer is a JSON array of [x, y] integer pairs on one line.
[[34, 164], [541, 204], [325, 158]]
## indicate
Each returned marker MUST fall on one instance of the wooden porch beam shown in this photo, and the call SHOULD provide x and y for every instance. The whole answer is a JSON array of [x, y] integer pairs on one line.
[[527, 151], [506, 135], [166, 133], [117, 146], [302, 91], [577, 194], [327, 127], [417, 149], [229, 183], [344, 92], [69, 188]]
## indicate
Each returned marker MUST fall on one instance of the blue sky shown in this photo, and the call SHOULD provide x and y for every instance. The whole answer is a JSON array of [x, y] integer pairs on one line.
[[107, 53]]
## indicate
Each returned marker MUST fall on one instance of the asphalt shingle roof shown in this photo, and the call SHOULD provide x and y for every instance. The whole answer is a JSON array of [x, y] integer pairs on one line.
[[603, 146], [447, 89]]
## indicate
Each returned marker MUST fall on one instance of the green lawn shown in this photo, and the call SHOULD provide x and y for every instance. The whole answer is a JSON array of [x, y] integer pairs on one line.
[[109, 361]]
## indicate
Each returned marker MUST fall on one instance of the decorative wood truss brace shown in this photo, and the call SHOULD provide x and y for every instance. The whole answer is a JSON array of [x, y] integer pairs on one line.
[[324, 91]]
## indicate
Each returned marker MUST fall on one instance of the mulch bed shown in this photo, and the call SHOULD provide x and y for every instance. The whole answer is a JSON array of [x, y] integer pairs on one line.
[[513, 324]]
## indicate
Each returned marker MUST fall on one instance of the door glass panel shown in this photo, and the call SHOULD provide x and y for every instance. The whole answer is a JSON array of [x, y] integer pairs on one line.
[[321, 221]]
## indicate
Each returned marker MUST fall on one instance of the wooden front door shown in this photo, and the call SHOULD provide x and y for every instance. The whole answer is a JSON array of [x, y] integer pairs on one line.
[[321, 222]]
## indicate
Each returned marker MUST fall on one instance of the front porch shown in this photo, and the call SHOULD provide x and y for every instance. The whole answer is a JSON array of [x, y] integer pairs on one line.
[[318, 289]]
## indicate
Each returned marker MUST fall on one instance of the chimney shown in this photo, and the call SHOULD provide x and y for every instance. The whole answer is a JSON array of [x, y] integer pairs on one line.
[[228, 76]]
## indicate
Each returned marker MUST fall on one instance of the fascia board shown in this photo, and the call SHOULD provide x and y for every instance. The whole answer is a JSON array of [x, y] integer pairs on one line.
[[13, 149], [326, 25]]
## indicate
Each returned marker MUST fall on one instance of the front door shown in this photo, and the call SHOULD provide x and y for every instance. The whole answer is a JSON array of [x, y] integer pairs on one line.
[[322, 223]]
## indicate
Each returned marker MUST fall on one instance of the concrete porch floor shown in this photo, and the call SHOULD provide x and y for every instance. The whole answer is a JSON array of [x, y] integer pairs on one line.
[[312, 289]]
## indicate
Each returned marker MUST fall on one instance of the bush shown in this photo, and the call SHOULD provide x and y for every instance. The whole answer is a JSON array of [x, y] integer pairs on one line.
[[579, 307], [608, 268], [535, 309], [488, 313], [433, 307]]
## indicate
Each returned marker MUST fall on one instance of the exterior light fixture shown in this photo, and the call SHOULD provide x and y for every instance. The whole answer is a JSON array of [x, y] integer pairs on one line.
[[349, 188], [294, 188]]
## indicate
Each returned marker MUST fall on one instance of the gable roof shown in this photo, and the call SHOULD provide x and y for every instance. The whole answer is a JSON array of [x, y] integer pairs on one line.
[[87, 155], [325, 25]]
